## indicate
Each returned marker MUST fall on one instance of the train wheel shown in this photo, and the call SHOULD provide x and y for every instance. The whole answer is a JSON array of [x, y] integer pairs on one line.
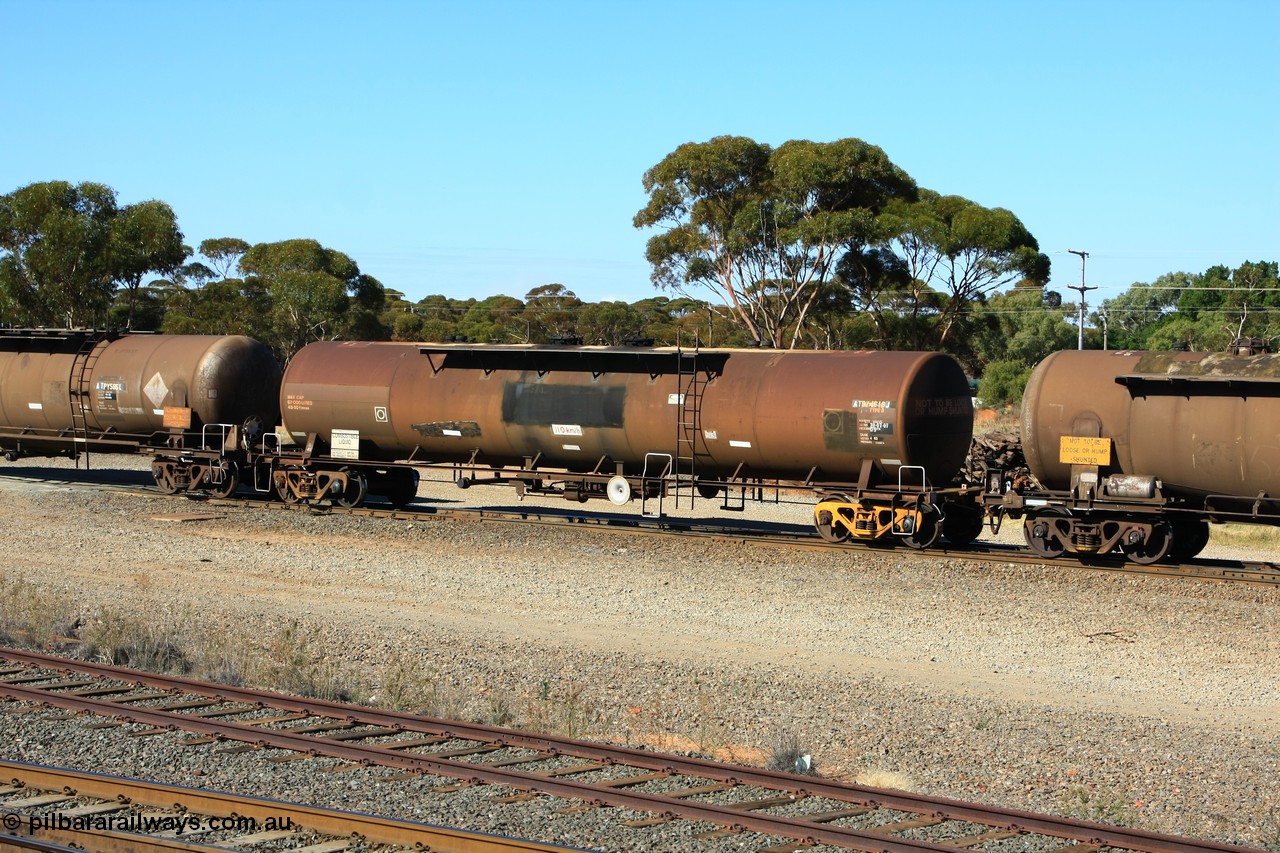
[[282, 490], [962, 524], [354, 493], [1043, 536], [826, 524], [400, 486], [927, 529], [162, 473], [708, 492], [1189, 539], [1145, 550], [228, 479]]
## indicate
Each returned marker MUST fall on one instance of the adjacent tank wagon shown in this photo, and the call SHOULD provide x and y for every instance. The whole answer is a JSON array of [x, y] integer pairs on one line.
[[1139, 451], [74, 392]]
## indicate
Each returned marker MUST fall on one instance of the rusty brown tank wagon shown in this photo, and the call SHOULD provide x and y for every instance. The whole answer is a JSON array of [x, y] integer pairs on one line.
[[1139, 451], [187, 400], [876, 433]]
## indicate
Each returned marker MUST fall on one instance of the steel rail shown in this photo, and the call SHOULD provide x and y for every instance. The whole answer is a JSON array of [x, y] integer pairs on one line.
[[798, 786], [341, 824], [104, 841], [20, 843]]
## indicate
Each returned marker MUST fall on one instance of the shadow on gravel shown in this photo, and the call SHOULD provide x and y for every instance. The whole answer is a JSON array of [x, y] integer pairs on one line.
[[718, 522], [95, 476]]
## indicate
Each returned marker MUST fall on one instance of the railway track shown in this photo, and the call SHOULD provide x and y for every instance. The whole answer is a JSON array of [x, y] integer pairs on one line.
[[44, 808], [787, 536], [766, 534], [789, 812]]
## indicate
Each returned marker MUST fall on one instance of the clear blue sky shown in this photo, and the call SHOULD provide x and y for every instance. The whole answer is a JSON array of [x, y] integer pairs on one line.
[[479, 148]]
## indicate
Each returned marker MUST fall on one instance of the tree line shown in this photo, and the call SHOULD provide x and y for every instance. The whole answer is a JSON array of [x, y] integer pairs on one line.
[[814, 245]]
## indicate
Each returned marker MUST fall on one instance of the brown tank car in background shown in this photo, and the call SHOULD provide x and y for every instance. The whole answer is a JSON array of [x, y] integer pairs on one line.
[[1122, 436], [75, 392]]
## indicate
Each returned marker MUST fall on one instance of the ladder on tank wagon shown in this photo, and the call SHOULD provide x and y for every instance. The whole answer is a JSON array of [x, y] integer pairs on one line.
[[81, 394], [691, 380]]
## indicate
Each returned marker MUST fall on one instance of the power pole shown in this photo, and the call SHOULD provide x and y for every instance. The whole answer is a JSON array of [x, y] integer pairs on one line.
[[1080, 287]]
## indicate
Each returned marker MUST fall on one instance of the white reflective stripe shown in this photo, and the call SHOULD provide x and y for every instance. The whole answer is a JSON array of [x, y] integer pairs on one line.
[[739, 444]]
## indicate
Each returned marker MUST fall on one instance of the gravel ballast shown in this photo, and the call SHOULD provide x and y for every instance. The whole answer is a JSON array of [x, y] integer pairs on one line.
[[1144, 701]]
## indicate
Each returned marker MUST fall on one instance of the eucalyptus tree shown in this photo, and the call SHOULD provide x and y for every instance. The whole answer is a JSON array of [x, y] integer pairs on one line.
[[224, 253], [496, 319], [834, 323], [550, 311], [316, 294], [438, 316], [1011, 333], [1131, 316], [229, 306], [1229, 304], [201, 299], [144, 238], [67, 248], [828, 203], [54, 259], [763, 229], [705, 194], [610, 323], [955, 253], [1204, 311]]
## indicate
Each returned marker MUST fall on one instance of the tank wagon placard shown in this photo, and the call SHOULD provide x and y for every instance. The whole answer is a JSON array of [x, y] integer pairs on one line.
[[1078, 450]]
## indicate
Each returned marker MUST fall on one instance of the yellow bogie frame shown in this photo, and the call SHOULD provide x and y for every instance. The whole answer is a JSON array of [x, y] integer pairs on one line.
[[916, 522]]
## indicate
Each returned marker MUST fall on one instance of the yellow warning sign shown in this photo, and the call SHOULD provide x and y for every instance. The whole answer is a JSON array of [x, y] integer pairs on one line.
[[1075, 450]]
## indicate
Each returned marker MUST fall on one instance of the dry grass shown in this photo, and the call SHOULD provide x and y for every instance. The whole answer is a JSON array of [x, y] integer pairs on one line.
[[995, 420], [297, 660], [874, 777], [172, 641], [36, 617], [1245, 536], [790, 756], [1089, 802], [566, 709]]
